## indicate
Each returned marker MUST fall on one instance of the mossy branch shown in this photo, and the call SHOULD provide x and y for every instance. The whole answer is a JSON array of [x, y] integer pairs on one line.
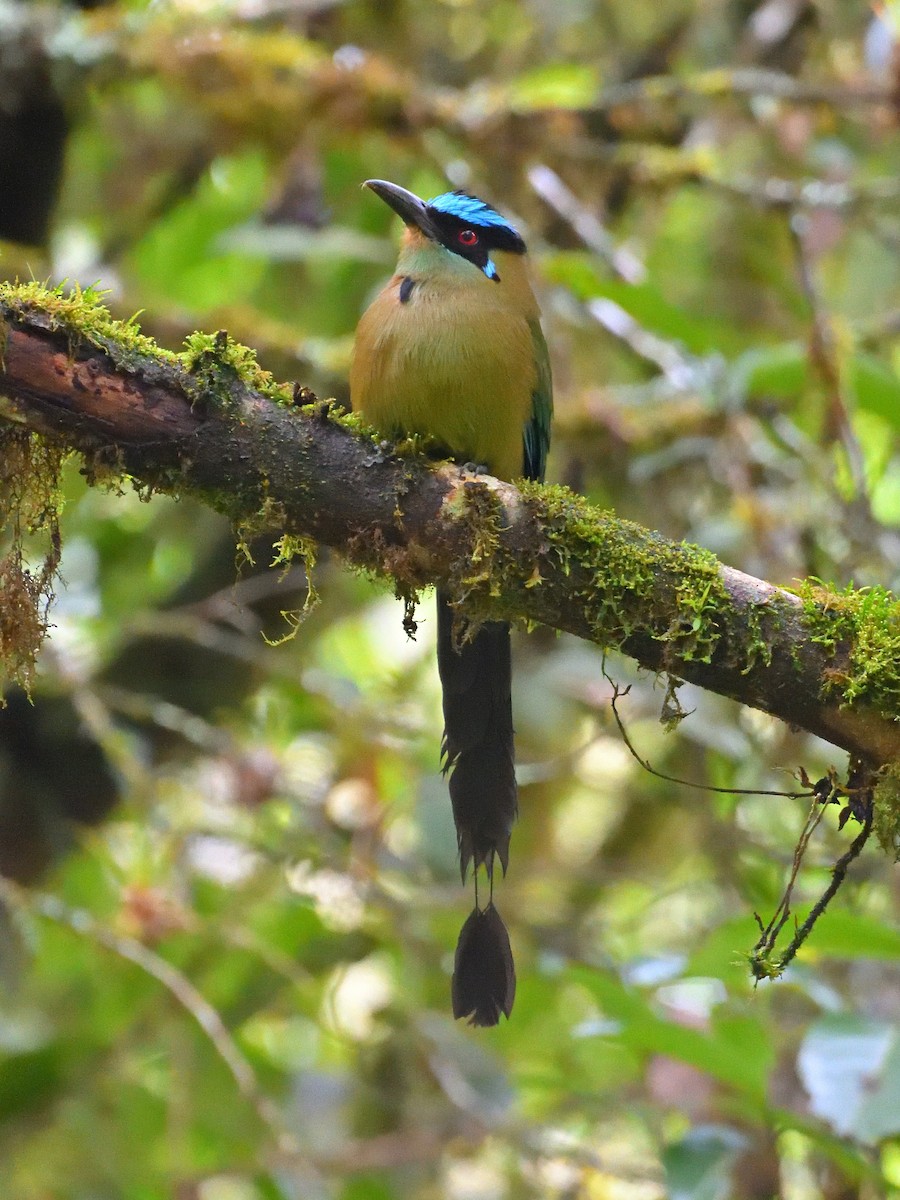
[[212, 424]]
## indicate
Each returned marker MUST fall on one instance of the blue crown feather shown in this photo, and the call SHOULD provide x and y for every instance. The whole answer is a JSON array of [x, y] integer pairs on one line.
[[470, 208]]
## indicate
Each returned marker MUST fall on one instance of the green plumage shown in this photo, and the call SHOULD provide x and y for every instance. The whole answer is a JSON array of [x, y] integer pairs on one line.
[[536, 433]]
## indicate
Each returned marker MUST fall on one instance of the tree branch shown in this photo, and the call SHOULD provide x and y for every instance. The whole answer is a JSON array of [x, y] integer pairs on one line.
[[210, 423]]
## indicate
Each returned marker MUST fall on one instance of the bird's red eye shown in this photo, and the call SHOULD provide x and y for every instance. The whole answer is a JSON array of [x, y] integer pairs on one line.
[[468, 237]]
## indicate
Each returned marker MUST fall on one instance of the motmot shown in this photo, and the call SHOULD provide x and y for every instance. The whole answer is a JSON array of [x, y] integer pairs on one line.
[[452, 349]]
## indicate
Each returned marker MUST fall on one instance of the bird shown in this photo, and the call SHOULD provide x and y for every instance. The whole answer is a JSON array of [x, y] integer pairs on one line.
[[452, 349]]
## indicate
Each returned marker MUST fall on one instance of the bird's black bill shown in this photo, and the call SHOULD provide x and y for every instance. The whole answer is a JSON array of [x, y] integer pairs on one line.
[[484, 977], [406, 205]]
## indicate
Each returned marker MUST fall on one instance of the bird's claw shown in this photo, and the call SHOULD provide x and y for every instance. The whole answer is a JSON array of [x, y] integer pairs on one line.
[[473, 468]]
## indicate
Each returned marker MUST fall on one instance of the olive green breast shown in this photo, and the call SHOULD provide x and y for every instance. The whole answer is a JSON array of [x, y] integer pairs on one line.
[[451, 360]]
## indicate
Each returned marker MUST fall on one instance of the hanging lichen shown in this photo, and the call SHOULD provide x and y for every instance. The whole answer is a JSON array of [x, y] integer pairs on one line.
[[29, 547]]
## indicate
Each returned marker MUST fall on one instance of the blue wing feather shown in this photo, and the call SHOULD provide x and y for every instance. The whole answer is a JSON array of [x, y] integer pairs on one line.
[[537, 430]]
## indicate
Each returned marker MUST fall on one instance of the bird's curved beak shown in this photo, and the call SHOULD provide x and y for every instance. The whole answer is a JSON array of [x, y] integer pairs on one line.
[[406, 205]]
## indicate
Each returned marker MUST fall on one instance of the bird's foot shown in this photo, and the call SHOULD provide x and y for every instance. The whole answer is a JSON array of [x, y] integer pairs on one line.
[[473, 468]]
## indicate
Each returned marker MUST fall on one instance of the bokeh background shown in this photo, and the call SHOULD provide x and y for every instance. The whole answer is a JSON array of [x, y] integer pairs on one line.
[[231, 898]]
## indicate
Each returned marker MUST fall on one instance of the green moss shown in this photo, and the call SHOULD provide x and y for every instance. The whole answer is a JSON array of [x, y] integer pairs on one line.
[[291, 546], [29, 468], [336, 414], [624, 571], [81, 313], [764, 964], [760, 628], [861, 628], [416, 445], [30, 502], [354, 422], [209, 354], [672, 712], [479, 508], [269, 516], [886, 822]]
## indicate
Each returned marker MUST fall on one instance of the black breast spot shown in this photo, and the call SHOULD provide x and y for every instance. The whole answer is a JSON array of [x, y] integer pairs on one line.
[[406, 289]]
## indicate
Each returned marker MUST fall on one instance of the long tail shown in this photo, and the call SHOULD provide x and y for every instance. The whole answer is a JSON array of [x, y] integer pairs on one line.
[[478, 752], [476, 677], [484, 977]]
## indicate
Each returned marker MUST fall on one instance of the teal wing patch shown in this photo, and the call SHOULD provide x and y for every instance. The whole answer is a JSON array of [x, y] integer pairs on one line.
[[537, 430]]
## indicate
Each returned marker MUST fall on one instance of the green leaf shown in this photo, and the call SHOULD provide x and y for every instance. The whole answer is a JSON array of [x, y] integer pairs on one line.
[[368, 1187], [735, 1049], [877, 387], [879, 1113], [29, 1080], [842, 934], [780, 371], [697, 1167], [850, 1067], [646, 302], [198, 274], [556, 85]]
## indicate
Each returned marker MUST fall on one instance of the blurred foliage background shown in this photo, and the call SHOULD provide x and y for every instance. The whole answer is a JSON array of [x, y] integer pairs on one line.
[[231, 899]]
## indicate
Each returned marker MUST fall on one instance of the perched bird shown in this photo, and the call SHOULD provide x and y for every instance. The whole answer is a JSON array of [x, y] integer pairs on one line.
[[452, 348]]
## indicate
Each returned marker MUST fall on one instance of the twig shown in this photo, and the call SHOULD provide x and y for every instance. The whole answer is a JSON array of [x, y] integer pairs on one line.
[[165, 715], [177, 984], [838, 874], [702, 787], [751, 82], [861, 805], [810, 193], [682, 370], [548, 185], [666, 168], [769, 933], [823, 356]]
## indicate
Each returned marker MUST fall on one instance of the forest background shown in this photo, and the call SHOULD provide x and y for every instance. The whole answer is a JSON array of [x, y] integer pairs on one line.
[[230, 894]]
